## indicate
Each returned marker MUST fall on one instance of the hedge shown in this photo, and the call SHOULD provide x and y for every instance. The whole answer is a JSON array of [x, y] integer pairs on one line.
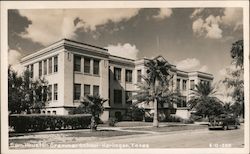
[[38, 122]]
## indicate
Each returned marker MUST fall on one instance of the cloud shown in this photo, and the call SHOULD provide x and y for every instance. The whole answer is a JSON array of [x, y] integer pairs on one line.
[[126, 50], [210, 26], [51, 25], [163, 13], [14, 58], [191, 64]]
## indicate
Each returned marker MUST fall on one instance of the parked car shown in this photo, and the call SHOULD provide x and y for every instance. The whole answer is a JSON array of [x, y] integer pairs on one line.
[[224, 122]]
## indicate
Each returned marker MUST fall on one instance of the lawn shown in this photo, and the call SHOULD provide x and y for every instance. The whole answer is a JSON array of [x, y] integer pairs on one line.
[[169, 128]]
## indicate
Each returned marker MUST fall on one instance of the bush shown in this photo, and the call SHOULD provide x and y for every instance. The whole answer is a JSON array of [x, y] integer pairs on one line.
[[37, 122], [112, 122]]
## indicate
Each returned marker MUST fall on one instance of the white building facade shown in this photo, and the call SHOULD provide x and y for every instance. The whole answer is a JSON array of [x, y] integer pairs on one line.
[[74, 69]]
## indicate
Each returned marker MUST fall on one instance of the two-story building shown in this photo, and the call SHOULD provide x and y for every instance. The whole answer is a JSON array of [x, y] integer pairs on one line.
[[74, 69]]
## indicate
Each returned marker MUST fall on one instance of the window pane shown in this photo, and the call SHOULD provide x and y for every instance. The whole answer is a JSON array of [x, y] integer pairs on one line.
[[86, 90], [117, 73], [77, 91], [128, 76], [45, 67], [50, 93], [138, 75], [86, 65], [96, 67], [40, 69], [55, 91], [77, 63], [31, 70], [55, 64], [96, 90], [50, 65], [184, 85], [128, 97], [117, 96], [191, 84]]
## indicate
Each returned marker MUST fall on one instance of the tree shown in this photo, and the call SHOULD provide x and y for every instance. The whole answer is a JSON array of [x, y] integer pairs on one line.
[[156, 84], [204, 101], [91, 104], [24, 93], [235, 75]]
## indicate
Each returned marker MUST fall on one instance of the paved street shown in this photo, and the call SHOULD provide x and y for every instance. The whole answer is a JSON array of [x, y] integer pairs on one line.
[[184, 139]]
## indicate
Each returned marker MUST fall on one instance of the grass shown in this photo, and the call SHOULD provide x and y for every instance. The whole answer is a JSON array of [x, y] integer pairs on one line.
[[169, 128]]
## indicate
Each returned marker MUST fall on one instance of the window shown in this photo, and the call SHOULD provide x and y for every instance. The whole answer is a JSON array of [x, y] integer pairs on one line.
[[96, 67], [128, 97], [77, 91], [128, 76], [50, 93], [40, 68], [86, 65], [45, 67], [117, 73], [184, 85], [55, 64], [31, 70], [178, 84], [77, 63], [54, 112], [50, 65], [117, 96], [96, 90], [48, 112], [182, 102], [138, 75], [192, 84], [55, 91], [86, 90]]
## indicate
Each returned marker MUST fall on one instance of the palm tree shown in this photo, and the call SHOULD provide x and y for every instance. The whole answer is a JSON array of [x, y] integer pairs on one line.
[[91, 104], [156, 83], [204, 101]]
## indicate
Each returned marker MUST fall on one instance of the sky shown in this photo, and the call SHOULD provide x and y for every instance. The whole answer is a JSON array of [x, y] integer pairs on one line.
[[193, 39]]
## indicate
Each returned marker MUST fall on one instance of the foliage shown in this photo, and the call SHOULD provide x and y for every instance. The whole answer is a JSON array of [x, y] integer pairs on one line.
[[24, 93], [204, 101], [38, 122], [92, 105], [235, 79], [156, 85]]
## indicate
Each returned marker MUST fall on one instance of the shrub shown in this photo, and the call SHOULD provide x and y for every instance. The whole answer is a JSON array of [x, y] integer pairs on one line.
[[37, 122], [112, 122]]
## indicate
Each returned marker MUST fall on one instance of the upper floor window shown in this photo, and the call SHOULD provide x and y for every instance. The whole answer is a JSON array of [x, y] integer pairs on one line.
[[138, 75], [86, 90], [118, 96], [86, 65], [50, 65], [117, 73], [55, 64], [178, 84], [31, 70], [40, 68], [95, 90], [96, 67], [77, 63], [55, 92], [128, 76], [77, 91], [45, 67], [184, 85], [192, 85]]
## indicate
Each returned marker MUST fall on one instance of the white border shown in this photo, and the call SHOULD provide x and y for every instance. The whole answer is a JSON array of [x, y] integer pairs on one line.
[[118, 4]]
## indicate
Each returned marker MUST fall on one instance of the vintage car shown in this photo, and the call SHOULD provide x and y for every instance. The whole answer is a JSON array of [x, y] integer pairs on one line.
[[224, 122]]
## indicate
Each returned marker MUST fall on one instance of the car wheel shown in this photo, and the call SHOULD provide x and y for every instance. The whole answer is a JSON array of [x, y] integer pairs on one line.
[[236, 127]]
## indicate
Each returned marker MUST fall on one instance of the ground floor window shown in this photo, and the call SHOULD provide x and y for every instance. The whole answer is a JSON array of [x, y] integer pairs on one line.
[[77, 91], [117, 96]]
